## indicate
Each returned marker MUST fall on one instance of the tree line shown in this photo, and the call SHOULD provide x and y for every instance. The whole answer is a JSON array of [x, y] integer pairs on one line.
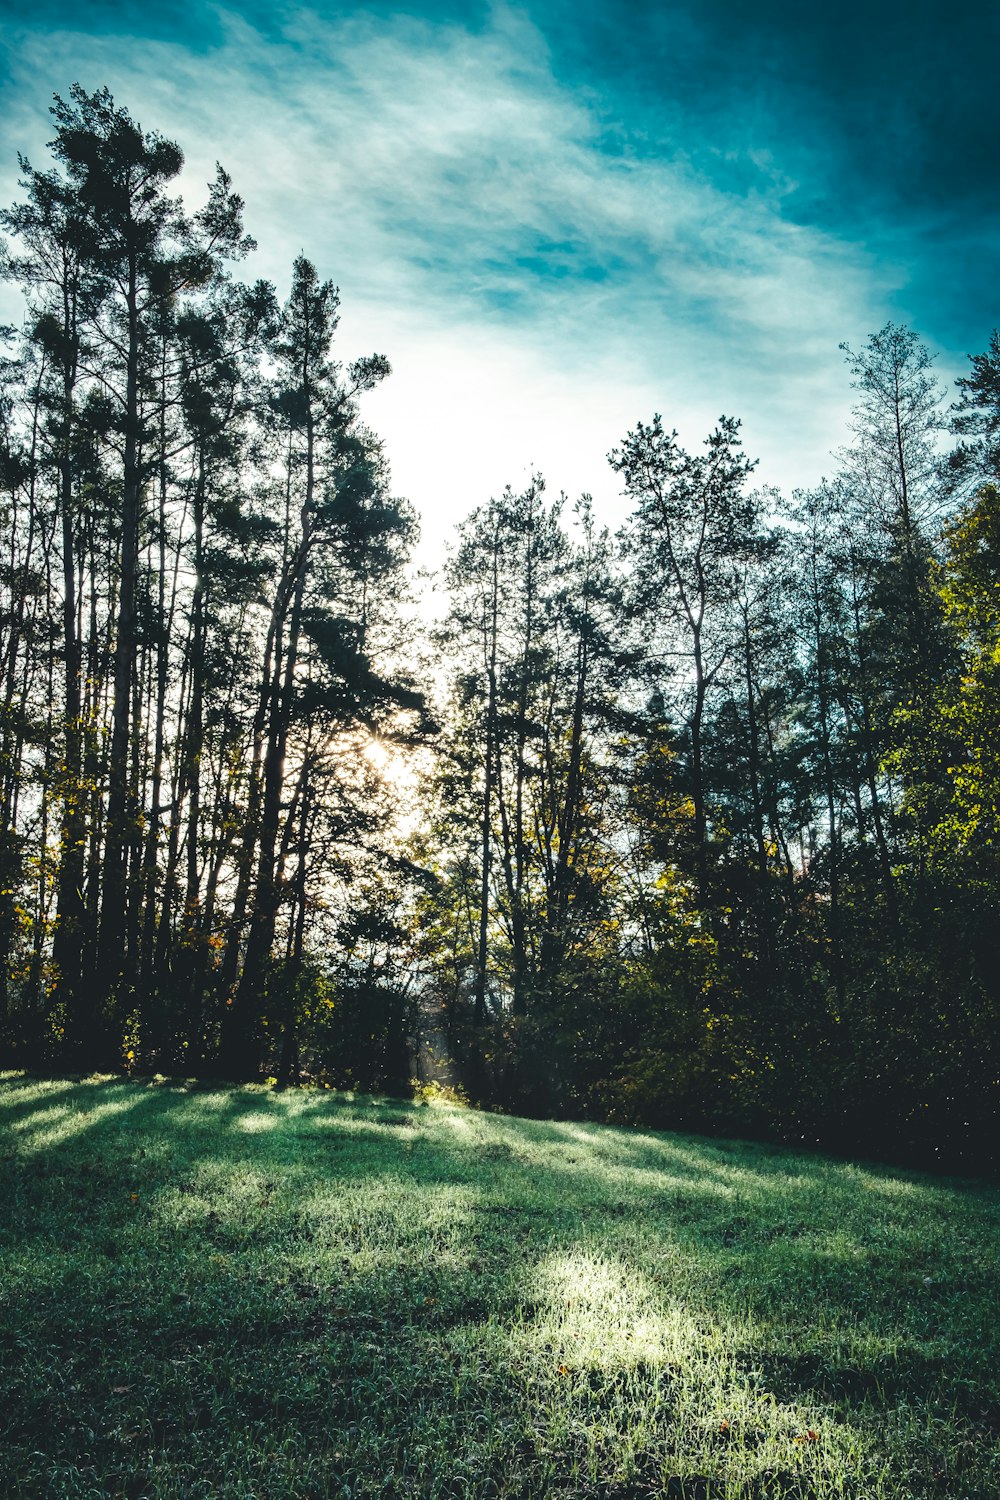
[[706, 825]]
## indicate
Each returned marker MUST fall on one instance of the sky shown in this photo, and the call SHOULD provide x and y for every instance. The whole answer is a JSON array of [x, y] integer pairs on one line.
[[559, 218]]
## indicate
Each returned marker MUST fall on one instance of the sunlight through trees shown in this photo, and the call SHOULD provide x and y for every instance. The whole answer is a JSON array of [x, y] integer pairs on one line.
[[693, 825]]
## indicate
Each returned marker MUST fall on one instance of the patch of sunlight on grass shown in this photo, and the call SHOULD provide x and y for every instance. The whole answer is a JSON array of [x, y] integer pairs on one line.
[[462, 1124], [627, 1176], [601, 1312], [54, 1125], [618, 1360], [47, 1115], [255, 1124]]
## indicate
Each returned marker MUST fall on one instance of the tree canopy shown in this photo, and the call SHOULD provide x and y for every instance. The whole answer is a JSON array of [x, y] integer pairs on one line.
[[705, 817]]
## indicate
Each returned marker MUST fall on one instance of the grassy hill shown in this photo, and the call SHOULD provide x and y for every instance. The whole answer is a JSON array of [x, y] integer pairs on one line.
[[239, 1293]]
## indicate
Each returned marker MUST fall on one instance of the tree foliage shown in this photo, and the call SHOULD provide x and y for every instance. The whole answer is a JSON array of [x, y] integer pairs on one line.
[[707, 813]]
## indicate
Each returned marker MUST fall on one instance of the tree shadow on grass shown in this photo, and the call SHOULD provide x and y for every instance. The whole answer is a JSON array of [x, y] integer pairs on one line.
[[232, 1292]]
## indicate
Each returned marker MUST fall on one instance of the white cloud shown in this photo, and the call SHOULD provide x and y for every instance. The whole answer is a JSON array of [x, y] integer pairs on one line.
[[535, 294]]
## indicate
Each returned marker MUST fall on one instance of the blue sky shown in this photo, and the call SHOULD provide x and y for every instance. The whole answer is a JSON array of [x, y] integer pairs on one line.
[[557, 218]]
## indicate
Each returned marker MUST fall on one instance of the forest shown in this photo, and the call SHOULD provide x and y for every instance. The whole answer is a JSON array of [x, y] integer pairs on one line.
[[692, 825]]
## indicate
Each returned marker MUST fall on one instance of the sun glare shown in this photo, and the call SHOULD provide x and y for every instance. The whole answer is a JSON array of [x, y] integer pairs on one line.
[[398, 775]]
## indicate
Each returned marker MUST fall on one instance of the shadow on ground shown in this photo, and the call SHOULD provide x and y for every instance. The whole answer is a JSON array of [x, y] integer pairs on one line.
[[236, 1292]]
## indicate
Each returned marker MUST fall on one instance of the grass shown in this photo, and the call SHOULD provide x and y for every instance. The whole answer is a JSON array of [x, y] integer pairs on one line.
[[238, 1293]]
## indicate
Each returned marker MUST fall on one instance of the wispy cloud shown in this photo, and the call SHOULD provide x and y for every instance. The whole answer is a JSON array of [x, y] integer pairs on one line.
[[537, 287]]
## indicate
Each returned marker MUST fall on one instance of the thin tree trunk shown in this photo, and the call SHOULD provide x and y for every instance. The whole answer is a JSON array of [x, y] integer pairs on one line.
[[112, 960]]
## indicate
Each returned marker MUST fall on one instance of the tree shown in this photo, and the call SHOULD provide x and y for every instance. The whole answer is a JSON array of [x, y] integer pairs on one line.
[[692, 521], [522, 797], [341, 537], [108, 253], [893, 462], [965, 727], [976, 420], [54, 270], [220, 627]]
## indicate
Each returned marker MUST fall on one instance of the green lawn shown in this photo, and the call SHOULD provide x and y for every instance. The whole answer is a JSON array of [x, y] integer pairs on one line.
[[239, 1293]]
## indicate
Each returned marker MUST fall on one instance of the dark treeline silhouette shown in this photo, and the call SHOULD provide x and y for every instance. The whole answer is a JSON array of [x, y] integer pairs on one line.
[[708, 812], [201, 555]]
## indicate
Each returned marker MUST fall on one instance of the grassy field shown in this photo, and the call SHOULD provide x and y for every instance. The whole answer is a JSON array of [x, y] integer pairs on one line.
[[239, 1293]]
